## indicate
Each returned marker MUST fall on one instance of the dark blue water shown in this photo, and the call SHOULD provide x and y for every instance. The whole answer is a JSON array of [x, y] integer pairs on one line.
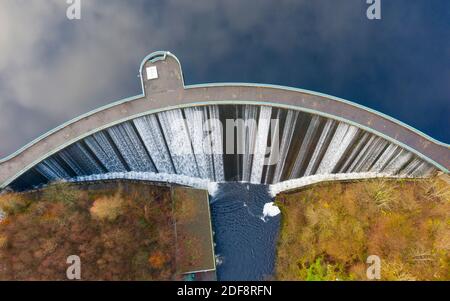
[[245, 243]]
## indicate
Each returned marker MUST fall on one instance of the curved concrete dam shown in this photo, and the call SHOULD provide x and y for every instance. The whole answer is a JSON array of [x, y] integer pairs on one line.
[[224, 132]]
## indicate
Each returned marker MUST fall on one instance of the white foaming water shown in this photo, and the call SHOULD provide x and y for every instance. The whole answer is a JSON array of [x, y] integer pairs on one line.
[[212, 188], [148, 176], [219, 259], [270, 210], [310, 180]]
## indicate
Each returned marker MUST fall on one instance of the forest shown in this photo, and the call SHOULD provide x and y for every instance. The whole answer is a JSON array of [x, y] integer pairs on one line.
[[330, 229], [122, 231]]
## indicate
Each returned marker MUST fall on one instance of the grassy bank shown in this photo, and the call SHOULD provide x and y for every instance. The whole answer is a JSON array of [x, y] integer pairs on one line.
[[329, 230], [122, 232]]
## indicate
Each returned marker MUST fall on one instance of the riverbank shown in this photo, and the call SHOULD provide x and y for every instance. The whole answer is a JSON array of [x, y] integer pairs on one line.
[[328, 230], [120, 231]]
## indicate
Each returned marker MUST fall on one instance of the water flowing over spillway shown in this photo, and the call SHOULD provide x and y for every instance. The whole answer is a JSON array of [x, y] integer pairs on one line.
[[104, 151], [245, 238], [260, 144], [264, 145], [154, 141], [128, 143], [196, 118]]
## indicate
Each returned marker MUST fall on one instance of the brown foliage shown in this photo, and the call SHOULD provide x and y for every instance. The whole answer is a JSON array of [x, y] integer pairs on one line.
[[107, 208], [157, 260], [405, 223], [13, 203], [37, 240]]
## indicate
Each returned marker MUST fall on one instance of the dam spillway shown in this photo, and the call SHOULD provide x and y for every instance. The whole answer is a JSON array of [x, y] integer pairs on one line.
[[224, 132], [170, 142]]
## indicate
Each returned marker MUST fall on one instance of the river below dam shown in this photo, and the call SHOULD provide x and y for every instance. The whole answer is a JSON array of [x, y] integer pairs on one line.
[[246, 226]]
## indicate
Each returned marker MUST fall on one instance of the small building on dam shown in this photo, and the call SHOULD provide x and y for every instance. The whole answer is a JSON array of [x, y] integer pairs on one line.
[[198, 134]]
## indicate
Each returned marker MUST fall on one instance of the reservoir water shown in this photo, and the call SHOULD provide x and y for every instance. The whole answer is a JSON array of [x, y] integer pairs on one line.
[[245, 239]]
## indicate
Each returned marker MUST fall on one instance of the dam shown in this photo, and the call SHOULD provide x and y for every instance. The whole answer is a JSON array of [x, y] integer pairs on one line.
[[244, 143], [260, 134]]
